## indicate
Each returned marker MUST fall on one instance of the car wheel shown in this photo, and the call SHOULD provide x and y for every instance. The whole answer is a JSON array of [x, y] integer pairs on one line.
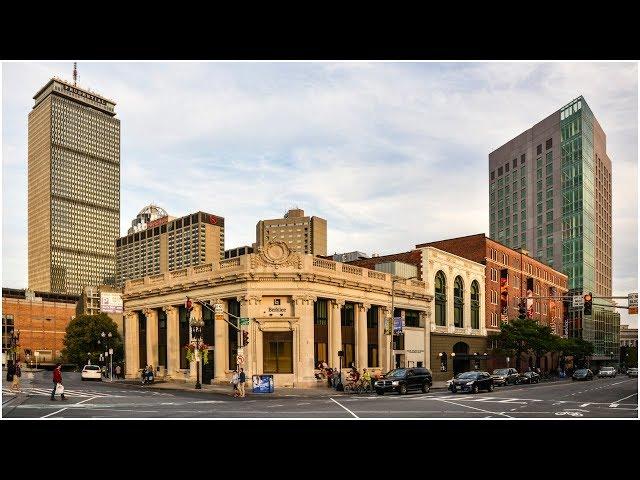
[[475, 388], [426, 387], [380, 392], [402, 390], [491, 387]]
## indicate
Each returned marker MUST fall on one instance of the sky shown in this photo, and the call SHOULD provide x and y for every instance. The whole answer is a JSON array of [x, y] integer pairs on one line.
[[391, 154]]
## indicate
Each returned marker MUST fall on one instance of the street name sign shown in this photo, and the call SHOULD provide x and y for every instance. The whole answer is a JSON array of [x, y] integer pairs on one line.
[[633, 303], [218, 308], [244, 321], [578, 301]]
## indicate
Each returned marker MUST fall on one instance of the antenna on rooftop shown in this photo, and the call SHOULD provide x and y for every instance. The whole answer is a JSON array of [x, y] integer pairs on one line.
[[75, 73]]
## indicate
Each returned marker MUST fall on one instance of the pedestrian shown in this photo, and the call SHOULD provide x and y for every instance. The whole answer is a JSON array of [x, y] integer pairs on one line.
[[11, 371], [57, 379], [117, 372], [241, 379], [234, 382], [16, 378], [335, 378]]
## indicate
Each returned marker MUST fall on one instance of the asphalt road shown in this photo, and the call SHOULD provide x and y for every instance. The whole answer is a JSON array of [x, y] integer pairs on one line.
[[600, 398]]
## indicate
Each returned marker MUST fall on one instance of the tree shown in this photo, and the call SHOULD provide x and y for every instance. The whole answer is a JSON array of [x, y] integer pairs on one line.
[[518, 336], [542, 342], [82, 335], [578, 348], [629, 356]]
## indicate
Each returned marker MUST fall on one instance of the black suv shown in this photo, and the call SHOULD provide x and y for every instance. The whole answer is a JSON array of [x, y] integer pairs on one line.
[[402, 380]]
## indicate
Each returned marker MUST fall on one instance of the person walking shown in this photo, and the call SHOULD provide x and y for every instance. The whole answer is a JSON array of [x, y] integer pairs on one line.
[[234, 382], [117, 372], [11, 371], [242, 378], [57, 379], [15, 386]]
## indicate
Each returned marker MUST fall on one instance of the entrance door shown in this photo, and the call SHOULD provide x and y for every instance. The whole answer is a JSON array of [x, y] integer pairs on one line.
[[207, 369], [461, 361]]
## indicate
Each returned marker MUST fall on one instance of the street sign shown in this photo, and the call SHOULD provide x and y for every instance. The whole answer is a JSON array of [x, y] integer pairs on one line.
[[219, 316], [633, 303], [244, 321], [240, 359], [578, 301], [218, 308]]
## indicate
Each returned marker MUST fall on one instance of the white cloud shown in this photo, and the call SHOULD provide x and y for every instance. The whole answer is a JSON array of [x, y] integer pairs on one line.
[[391, 154]]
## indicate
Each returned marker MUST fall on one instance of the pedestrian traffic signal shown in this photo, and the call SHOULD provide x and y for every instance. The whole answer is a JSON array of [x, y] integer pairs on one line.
[[588, 298], [188, 305], [522, 311], [245, 339]]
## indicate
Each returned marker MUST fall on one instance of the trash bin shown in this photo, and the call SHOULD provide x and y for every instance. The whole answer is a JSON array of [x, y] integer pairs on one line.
[[262, 384]]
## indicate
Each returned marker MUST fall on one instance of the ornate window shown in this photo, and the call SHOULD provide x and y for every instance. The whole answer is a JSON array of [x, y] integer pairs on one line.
[[458, 303], [475, 305], [441, 299]]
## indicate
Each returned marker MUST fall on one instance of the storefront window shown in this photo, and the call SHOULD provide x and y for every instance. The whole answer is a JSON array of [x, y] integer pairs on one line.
[[441, 299], [278, 352], [320, 330], [234, 309], [411, 318], [184, 336], [142, 339], [372, 336], [162, 337]]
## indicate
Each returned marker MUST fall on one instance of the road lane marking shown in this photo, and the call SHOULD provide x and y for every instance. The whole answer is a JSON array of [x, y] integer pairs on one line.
[[613, 405], [62, 410], [618, 401], [344, 407], [479, 409], [585, 404]]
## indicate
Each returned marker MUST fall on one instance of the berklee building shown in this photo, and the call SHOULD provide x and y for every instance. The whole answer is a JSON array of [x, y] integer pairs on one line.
[[170, 243], [74, 189]]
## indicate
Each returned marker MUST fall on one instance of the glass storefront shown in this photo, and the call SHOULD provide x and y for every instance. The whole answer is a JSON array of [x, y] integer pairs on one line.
[[277, 352]]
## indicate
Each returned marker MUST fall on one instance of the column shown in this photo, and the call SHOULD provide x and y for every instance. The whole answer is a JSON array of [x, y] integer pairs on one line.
[[304, 372], [173, 341], [131, 359], [220, 347], [249, 308], [335, 332], [425, 319], [152, 337], [196, 313], [362, 344]]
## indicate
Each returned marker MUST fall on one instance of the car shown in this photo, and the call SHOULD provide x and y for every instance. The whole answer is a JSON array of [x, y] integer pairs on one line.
[[529, 377], [472, 382], [402, 380], [91, 372], [607, 372], [505, 376], [632, 372], [582, 374]]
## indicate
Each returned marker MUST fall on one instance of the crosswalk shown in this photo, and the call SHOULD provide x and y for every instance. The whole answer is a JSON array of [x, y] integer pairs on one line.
[[67, 393]]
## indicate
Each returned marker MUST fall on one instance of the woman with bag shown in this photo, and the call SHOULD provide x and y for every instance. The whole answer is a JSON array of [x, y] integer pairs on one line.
[[15, 386], [234, 380], [57, 383]]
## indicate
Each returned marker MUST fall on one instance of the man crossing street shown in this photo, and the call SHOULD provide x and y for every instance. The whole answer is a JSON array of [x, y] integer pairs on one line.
[[242, 378]]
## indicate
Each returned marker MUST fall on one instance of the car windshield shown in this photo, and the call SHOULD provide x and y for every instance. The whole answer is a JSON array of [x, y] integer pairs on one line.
[[398, 372], [468, 375], [91, 367], [501, 371], [581, 372], [607, 369]]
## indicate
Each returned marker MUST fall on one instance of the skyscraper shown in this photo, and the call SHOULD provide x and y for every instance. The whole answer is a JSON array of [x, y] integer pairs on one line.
[[74, 189], [300, 233], [550, 192]]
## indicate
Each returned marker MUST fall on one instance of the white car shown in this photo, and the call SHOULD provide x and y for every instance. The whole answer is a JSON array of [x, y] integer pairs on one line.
[[91, 372], [607, 372], [632, 372]]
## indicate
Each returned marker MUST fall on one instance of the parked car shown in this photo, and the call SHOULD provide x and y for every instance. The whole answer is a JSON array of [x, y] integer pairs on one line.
[[505, 376], [582, 374], [529, 377], [632, 372], [472, 382], [607, 372], [402, 380], [91, 372]]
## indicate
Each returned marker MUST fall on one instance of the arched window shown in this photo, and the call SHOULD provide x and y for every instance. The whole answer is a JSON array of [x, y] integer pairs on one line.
[[458, 303], [441, 299], [475, 305]]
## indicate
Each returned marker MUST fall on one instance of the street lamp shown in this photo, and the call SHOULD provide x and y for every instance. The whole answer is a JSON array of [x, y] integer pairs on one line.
[[196, 333], [106, 337], [394, 279]]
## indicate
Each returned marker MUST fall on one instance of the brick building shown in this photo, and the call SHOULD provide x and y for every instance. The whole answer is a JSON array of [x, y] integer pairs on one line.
[[41, 318]]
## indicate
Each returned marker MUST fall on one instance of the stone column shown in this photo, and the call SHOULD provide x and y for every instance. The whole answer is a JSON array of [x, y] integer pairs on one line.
[[220, 347], [173, 341], [362, 344], [152, 337], [304, 372], [335, 332], [250, 308], [131, 351], [425, 319]]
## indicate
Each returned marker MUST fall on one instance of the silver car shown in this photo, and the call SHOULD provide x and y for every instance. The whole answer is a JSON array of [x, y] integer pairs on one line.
[[632, 372], [607, 372]]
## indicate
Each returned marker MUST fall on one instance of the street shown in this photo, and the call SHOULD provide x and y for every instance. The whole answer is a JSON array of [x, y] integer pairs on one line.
[[600, 398]]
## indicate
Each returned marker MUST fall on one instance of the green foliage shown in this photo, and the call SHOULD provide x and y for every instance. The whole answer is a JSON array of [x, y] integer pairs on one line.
[[82, 335], [629, 356]]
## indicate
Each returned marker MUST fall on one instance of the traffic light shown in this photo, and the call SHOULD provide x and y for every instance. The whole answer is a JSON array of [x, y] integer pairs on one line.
[[588, 298], [245, 338], [522, 310]]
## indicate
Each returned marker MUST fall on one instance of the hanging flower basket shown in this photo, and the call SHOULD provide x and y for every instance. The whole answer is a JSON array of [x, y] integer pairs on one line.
[[191, 351]]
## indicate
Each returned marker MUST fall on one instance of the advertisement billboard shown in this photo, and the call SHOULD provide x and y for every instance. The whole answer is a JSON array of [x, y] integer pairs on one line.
[[262, 383], [529, 297], [504, 295], [110, 302], [398, 325]]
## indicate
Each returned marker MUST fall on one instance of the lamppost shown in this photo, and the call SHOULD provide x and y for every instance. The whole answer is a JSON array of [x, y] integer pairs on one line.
[[394, 279], [88, 358], [106, 338], [196, 333]]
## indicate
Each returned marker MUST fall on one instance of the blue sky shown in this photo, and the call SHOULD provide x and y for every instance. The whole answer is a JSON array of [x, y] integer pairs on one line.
[[391, 154]]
